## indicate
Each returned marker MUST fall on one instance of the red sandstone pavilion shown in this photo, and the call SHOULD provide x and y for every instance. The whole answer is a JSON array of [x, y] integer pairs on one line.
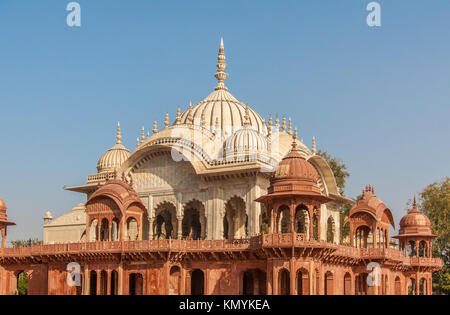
[[204, 225]]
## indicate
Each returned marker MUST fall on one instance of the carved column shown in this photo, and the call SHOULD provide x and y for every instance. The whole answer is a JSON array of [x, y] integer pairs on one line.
[[179, 227]]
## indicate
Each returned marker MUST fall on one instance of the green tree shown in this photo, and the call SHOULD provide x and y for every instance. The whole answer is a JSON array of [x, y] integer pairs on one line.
[[434, 201], [338, 167], [26, 243], [340, 174]]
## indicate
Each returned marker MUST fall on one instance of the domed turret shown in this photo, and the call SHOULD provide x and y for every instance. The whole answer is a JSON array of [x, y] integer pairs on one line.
[[415, 234], [4, 223], [415, 222], [246, 143], [2, 209], [114, 157], [294, 176]]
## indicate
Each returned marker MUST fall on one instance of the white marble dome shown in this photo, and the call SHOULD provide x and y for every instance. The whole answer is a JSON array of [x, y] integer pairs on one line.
[[221, 109], [114, 157]]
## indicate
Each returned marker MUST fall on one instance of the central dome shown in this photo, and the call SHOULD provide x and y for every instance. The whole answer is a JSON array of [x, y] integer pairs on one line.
[[221, 109]]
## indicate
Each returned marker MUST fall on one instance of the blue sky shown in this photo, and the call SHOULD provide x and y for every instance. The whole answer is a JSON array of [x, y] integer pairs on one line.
[[378, 98]]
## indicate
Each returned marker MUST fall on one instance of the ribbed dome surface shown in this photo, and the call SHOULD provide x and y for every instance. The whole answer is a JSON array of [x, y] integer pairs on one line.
[[220, 105], [2, 205], [294, 166], [2, 210], [244, 141], [114, 157]]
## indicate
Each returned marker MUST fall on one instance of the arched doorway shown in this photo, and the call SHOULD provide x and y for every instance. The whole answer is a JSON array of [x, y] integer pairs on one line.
[[362, 235], [347, 284], [174, 280], [93, 283], [284, 282], [194, 220], [165, 221], [398, 286], [301, 221], [329, 283], [284, 220], [303, 282], [103, 282], [248, 283], [197, 282], [411, 286], [423, 287], [104, 230], [330, 230], [22, 283], [114, 282], [132, 229], [136, 284], [235, 219]]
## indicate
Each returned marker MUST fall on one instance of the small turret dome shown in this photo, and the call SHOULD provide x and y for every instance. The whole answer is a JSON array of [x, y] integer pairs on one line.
[[246, 141], [114, 157], [415, 222]]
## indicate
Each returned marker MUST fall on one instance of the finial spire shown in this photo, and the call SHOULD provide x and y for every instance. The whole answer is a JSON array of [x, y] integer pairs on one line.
[[294, 140], [166, 120], [142, 134], [118, 136], [155, 126], [283, 124], [221, 65], [314, 145], [290, 126], [178, 119], [414, 204]]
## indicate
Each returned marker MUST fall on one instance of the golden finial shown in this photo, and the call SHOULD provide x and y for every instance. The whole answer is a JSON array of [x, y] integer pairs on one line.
[[270, 120], [166, 120], [155, 127], [118, 135], [414, 203], [296, 133], [221, 65], [283, 124], [142, 134], [277, 124], [290, 126], [178, 119], [137, 142], [148, 135], [314, 145]]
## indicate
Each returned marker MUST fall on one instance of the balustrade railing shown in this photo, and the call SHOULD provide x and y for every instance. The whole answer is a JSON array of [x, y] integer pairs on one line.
[[175, 245]]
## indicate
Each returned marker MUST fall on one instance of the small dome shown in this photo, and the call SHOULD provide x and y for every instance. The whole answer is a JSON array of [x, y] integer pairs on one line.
[[295, 167], [2, 205], [246, 141], [48, 215], [114, 157], [415, 222]]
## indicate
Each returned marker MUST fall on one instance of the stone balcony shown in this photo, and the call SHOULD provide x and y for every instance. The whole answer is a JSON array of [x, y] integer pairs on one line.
[[266, 245]]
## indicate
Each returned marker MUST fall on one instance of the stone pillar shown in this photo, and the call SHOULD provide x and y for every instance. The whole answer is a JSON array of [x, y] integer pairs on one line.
[[86, 281], [120, 281], [98, 281], [292, 276], [108, 282], [150, 228], [4, 237], [179, 227]]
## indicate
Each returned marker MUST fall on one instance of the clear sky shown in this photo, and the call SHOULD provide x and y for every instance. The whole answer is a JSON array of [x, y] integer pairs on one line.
[[378, 98]]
